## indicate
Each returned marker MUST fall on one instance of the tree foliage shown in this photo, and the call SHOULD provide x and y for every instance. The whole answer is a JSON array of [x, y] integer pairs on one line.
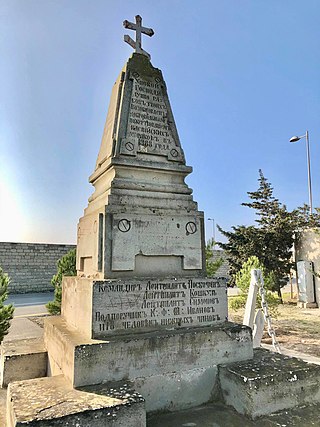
[[243, 279], [6, 311], [212, 266], [271, 240], [66, 267]]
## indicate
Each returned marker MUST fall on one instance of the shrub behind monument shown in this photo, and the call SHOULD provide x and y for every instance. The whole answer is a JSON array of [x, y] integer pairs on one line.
[[6, 311], [66, 267]]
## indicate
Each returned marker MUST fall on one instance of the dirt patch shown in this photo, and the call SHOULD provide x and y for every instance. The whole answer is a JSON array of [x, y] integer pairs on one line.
[[296, 328]]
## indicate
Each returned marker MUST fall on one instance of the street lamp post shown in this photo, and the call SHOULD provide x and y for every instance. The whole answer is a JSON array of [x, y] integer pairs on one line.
[[213, 232], [296, 139]]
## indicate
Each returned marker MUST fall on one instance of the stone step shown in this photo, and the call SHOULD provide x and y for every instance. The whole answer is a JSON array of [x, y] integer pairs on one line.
[[53, 402], [22, 360], [269, 383]]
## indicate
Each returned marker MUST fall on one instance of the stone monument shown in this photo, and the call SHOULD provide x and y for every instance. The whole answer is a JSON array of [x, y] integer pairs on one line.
[[142, 329]]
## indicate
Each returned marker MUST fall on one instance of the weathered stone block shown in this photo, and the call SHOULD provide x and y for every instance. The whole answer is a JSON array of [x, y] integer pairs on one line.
[[123, 306], [84, 361], [269, 383], [22, 360], [53, 402]]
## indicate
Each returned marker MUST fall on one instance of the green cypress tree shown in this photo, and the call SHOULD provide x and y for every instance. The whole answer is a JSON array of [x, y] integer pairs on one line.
[[66, 267], [271, 241], [6, 311]]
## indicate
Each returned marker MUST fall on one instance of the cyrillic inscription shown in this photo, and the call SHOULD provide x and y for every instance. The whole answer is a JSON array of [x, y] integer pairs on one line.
[[148, 118], [152, 304]]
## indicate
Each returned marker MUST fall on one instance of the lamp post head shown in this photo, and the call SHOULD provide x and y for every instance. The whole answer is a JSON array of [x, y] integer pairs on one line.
[[294, 139]]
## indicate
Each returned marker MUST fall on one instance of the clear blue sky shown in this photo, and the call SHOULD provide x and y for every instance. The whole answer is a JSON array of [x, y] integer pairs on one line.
[[242, 76]]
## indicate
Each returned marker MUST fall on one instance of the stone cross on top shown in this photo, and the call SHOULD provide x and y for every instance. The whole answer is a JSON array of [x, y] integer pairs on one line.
[[139, 29]]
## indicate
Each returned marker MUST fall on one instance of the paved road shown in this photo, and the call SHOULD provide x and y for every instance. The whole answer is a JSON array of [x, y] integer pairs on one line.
[[29, 304]]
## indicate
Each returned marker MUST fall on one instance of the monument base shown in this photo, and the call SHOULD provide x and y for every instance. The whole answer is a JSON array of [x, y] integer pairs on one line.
[[172, 369]]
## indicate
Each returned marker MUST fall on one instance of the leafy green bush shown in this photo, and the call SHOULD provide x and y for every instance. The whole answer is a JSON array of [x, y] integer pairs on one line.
[[243, 278], [66, 267], [6, 311]]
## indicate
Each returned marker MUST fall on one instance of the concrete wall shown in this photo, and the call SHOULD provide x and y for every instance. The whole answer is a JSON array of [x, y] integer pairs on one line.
[[308, 249], [31, 265]]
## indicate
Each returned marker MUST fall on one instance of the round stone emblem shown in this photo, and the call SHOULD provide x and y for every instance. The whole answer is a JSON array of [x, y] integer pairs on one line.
[[174, 152], [124, 225], [129, 146], [191, 227]]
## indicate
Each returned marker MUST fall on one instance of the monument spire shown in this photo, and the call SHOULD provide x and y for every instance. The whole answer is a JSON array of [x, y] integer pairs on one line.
[[139, 30]]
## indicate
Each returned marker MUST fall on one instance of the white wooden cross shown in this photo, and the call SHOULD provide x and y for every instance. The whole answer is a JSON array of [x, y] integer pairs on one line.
[[139, 30]]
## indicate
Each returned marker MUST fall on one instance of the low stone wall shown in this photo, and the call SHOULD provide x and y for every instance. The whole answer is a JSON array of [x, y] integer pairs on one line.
[[31, 265]]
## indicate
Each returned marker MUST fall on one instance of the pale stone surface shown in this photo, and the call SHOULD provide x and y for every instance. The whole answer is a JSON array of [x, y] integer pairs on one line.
[[53, 402], [22, 359], [84, 361], [141, 220], [110, 307], [306, 288], [269, 383], [178, 390], [307, 248]]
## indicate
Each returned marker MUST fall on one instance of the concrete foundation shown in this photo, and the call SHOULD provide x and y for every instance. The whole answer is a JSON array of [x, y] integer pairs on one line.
[[269, 383], [53, 402]]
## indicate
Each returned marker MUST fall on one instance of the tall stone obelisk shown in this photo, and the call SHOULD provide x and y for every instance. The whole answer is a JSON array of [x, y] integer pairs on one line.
[[141, 220]]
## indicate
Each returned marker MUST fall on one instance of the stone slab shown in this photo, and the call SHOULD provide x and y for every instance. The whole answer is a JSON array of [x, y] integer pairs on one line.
[[23, 328], [53, 402], [122, 306], [22, 360], [84, 361], [269, 383]]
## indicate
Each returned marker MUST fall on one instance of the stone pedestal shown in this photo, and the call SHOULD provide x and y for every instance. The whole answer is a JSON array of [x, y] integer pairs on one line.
[[157, 363], [166, 336]]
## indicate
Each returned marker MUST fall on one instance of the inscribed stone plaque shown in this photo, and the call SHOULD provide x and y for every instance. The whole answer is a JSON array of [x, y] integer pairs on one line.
[[150, 119], [136, 305]]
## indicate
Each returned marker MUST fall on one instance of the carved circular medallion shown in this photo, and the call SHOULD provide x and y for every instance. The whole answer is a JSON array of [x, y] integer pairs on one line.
[[191, 227], [174, 152], [129, 146], [124, 225]]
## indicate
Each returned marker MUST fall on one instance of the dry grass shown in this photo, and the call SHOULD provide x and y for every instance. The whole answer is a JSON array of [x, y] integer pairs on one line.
[[297, 329]]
